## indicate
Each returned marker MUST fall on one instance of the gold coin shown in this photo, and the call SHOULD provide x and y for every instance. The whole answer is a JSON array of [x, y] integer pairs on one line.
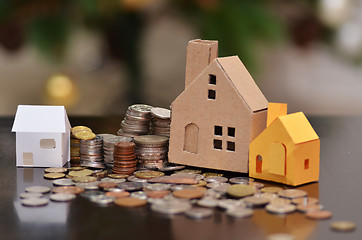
[[343, 226], [189, 171], [84, 179], [117, 176], [201, 183], [84, 135], [292, 193], [190, 193], [55, 170], [148, 174], [76, 168], [271, 189], [54, 175], [211, 174], [240, 190], [68, 189], [130, 202], [80, 128], [81, 173]]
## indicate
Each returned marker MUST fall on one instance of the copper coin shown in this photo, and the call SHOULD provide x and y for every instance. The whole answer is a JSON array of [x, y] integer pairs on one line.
[[309, 207], [271, 189], [125, 145], [107, 184], [157, 194], [130, 202], [319, 214], [190, 193], [305, 200], [292, 193], [68, 189], [121, 194], [118, 176]]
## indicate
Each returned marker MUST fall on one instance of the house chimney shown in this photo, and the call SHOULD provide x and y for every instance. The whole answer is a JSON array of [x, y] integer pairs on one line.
[[275, 110], [200, 53]]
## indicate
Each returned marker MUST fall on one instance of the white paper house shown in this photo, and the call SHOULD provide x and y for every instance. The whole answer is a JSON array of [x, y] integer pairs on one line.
[[42, 136]]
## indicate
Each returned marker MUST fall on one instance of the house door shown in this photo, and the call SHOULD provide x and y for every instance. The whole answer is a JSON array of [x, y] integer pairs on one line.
[[191, 138], [277, 156]]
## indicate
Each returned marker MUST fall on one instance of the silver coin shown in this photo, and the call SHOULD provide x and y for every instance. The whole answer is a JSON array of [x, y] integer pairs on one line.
[[139, 194], [219, 187], [280, 208], [62, 197], [256, 201], [280, 236], [102, 199], [89, 185], [136, 179], [239, 212], [116, 180], [199, 213], [212, 193], [171, 207], [171, 168], [230, 203], [158, 187], [35, 202], [131, 186], [292, 193], [208, 202], [256, 185], [38, 189], [216, 179], [241, 180], [31, 195], [63, 182], [162, 113], [90, 194], [181, 187]]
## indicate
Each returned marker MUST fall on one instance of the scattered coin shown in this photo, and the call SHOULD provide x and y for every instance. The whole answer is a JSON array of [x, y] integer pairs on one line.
[[157, 193], [148, 174], [280, 201], [61, 197], [102, 199], [309, 207], [54, 175], [256, 201], [171, 206], [34, 202], [271, 189], [88, 185], [256, 185], [305, 201], [80, 173], [208, 202], [231, 203], [240, 190], [319, 214], [63, 182], [280, 208], [84, 179], [343, 226], [212, 174], [239, 212], [55, 170], [216, 179], [120, 194], [91, 194], [107, 184], [241, 180], [280, 236], [139, 194], [76, 168], [130, 202], [136, 179], [292, 193], [84, 135], [68, 189], [130, 186], [191, 193], [194, 171], [199, 213], [116, 180], [118, 176], [31, 195], [162, 113], [38, 189], [80, 128]]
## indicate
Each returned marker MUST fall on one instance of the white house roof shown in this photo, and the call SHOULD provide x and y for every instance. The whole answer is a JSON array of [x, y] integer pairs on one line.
[[34, 118]]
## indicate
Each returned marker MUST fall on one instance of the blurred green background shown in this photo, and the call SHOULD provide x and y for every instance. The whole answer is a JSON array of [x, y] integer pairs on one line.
[[96, 57]]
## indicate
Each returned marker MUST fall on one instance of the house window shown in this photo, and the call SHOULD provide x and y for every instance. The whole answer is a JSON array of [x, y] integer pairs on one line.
[[47, 143], [212, 94], [259, 164], [230, 146], [212, 79], [217, 144], [231, 132], [218, 130], [306, 164]]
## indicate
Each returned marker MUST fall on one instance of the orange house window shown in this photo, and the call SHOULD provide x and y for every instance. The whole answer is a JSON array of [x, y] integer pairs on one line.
[[259, 164], [306, 164]]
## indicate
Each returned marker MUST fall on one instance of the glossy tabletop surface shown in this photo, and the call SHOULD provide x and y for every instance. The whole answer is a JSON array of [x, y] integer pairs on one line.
[[339, 190]]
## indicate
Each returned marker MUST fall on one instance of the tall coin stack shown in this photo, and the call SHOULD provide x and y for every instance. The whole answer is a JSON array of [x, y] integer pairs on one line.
[[161, 121], [136, 122], [91, 152], [151, 151], [75, 143], [125, 161], [108, 147]]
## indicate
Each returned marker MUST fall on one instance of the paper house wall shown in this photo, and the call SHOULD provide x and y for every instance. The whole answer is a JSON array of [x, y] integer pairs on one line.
[[287, 151], [42, 136], [218, 114]]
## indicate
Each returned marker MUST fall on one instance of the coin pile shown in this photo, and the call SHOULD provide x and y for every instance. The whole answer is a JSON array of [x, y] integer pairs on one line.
[[161, 121], [108, 147], [75, 143], [124, 158], [91, 152], [136, 122], [151, 151]]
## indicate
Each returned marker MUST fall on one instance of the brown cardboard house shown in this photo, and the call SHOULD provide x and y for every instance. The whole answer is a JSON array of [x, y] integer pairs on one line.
[[218, 114]]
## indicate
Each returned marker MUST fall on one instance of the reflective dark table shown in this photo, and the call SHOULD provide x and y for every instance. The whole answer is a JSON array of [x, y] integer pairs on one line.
[[339, 190]]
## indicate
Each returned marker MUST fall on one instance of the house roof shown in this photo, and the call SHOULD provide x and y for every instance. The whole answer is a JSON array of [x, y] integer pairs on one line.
[[34, 118], [298, 127], [243, 82]]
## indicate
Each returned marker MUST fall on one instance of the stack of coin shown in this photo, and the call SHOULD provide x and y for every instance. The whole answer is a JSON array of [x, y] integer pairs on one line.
[[75, 143], [124, 158], [136, 122], [151, 151], [108, 147], [161, 121], [91, 152]]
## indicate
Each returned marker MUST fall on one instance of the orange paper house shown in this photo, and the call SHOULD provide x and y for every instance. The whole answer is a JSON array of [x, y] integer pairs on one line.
[[218, 114], [287, 151]]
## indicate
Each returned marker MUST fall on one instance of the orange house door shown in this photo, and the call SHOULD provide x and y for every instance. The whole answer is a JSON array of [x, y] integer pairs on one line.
[[277, 157]]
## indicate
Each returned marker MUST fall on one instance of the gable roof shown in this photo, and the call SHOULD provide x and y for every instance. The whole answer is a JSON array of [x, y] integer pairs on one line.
[[36, 118], [298, 127], [239, 76]]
